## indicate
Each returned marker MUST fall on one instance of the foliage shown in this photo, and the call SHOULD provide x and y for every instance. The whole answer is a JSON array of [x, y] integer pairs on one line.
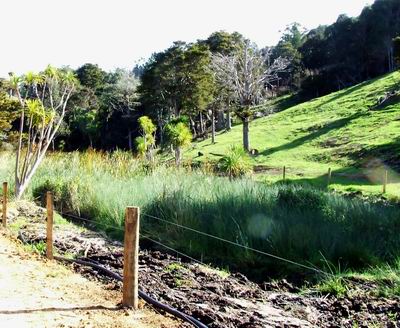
[[141, 147], [179, 134], [146, 142], [9, 110], [351, 50], [235, 163]]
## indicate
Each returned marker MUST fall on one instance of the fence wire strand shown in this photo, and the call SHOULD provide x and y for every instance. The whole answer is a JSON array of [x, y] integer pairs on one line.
[[172, 249]]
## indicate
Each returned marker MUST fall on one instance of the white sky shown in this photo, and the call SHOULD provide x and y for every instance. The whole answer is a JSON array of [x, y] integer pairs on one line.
[[117, 33]]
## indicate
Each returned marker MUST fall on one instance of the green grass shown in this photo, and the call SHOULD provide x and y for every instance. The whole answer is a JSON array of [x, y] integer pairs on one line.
[[299, 223], [383, 280], [337, 131]]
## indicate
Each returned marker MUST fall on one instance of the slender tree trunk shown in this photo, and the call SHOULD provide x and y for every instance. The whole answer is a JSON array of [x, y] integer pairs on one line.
[[213, 127], [130, 140], [246, 142], [201, 124], [228, 120], [221, 120], [193, 126], [21, 185], [178, 156]]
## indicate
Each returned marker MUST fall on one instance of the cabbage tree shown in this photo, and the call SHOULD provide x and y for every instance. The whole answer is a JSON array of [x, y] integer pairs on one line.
[[43, 99], [179, 136]]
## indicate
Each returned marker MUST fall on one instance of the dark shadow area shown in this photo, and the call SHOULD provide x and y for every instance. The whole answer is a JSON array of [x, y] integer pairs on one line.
[[55, 309], [309, 137]]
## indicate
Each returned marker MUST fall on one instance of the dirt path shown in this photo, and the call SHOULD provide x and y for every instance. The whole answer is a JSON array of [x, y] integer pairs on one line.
[[38, 293]]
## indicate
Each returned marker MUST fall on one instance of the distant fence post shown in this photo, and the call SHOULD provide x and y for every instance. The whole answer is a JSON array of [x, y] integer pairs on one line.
[[385, 181], [49, 239], [284, 173], [328, 182], [5, 195], [131, 258]]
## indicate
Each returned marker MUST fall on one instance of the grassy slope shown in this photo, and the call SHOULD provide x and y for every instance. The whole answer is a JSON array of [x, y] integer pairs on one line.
[[337, 131]]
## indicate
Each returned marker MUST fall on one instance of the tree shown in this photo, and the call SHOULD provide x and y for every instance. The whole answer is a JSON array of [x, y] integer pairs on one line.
[[179, 137], [86, 122], [9, 110], [227, 44], [396, 50], [288, 47], [91, 76], [43, 99], [126, 98], [145, 143], [118, 102], [249, 74]]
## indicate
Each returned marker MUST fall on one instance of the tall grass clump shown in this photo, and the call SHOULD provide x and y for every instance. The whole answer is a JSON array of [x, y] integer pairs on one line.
[[235, 163], [299, 223]]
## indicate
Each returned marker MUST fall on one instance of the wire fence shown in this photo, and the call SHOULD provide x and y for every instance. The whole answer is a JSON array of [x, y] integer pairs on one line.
[[145, 235], [276, 257]]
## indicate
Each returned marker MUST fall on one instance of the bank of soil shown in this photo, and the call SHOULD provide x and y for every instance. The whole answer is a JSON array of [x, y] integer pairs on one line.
[[216, 298]]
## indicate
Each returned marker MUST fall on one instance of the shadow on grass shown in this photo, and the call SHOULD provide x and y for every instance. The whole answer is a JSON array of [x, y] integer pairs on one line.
[[348, 91], [309, 137], [388, 153]]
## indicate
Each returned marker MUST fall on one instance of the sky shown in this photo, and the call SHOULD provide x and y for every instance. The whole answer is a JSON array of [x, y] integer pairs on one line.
[[119, 33]]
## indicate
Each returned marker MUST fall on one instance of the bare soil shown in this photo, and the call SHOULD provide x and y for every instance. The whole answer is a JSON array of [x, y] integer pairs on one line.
[[216, 298], [35, 292]]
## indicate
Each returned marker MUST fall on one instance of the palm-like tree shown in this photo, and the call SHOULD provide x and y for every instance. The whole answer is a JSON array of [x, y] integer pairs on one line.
[[43, 98]]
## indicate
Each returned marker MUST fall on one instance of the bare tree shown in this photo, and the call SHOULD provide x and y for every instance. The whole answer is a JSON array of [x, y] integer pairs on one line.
[[43, 99], [126, 98], [246, 76]]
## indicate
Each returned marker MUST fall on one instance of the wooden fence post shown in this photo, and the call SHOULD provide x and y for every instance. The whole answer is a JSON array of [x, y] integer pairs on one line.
[[329, 177], [131, 257], [49, 240], [385, 181], [284, 173], [5, 195]]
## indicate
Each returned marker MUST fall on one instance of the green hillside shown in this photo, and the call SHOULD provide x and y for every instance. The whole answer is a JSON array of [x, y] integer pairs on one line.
[[344, 131]]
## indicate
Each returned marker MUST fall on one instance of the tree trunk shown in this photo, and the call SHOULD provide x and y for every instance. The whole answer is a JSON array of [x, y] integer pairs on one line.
[[221, 121], [20, 186], [130, 140], [193, 126], [213, 127], [178, 156], [201, 124], [228, 120], [246, 142]]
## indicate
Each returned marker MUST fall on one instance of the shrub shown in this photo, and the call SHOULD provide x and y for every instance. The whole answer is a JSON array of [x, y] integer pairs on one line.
[[235, 163]]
